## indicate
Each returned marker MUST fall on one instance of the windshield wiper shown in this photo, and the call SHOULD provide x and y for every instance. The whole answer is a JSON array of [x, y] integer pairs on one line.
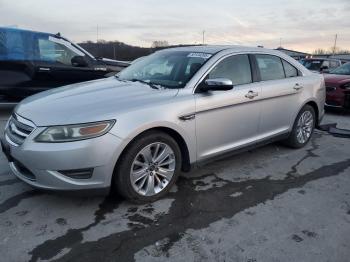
[[154, 86]]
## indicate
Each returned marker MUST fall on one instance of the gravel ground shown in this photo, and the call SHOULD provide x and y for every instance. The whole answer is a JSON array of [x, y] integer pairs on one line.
[[268, 204]]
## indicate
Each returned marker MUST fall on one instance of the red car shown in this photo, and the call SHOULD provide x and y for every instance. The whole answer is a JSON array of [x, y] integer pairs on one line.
[[338, 87]]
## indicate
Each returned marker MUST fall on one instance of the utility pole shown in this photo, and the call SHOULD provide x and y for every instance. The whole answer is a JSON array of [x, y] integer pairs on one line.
[[203, 37], [97, 34], [335, 43], [114, 51], [280, 42]]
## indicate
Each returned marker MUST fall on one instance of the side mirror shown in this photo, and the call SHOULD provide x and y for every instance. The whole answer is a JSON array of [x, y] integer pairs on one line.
[[79, 61], [217, 84]]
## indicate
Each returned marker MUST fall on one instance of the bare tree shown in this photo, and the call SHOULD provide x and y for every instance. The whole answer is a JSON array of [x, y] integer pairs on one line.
[[157, 44]]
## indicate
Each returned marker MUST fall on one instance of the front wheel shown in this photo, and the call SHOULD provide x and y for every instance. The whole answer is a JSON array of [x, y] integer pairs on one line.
[[303, 128], [148, 168]]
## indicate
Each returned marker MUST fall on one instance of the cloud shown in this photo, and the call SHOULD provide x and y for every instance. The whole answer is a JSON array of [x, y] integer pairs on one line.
[[303, 25]]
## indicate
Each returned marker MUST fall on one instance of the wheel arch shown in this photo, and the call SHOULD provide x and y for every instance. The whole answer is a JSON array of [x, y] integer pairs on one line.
[[313, 104], [180, 140]]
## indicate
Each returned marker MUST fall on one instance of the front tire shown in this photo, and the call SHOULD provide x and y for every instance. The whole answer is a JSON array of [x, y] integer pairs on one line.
[[303, 128], [148, 168]]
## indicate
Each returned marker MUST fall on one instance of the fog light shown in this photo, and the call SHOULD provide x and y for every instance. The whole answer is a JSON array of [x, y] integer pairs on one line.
[[78, 173]]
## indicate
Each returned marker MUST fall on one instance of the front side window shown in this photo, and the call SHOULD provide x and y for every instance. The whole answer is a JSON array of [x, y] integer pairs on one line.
[[290, 70], [170, 69], [270, 67], [236, 68], [57, 51]]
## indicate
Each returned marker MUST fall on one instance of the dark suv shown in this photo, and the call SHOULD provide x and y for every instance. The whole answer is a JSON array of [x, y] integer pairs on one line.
[[31, 62], [320, 64]]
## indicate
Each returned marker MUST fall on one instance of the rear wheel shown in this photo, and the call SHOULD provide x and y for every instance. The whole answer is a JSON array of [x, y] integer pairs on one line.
[[303, 128], [148, 168]]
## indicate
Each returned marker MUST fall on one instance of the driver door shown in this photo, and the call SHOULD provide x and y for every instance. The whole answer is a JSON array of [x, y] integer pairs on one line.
[[54, 64], [227, 120]]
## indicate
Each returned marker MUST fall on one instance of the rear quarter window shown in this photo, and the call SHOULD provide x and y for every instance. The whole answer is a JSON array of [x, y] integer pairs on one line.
[[270, 67], [16, 45], [290, 70]]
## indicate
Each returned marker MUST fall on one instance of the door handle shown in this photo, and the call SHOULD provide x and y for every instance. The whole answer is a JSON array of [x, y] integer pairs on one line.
[[251, 94], [297, 87]]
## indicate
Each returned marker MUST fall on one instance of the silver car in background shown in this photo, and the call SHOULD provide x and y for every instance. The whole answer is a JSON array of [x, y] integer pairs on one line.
[[165, 113]]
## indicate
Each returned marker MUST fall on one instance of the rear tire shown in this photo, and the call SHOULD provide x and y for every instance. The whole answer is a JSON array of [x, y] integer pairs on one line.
[[303, 128], [148, 168]]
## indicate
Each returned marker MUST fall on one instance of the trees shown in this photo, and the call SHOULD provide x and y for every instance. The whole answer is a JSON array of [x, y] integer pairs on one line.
[[330, 50], [159, 44]]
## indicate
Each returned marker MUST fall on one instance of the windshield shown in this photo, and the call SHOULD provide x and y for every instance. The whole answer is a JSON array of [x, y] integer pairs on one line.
[[171, 69], [312, 64], [342, 70]]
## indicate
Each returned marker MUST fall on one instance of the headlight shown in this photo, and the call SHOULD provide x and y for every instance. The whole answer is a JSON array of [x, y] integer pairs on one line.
[[69, 133], [346, 86]]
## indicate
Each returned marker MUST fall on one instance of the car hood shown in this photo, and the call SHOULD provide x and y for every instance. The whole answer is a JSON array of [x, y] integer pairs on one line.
[[336, 79], [89, 101]]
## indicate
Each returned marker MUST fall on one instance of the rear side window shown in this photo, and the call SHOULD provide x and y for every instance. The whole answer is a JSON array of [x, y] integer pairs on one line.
[[290, 70], [270, 67], [16, 45], [236, 68]]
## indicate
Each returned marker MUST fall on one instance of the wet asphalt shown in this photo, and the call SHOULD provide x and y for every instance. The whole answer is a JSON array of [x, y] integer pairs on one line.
[[269, 204]]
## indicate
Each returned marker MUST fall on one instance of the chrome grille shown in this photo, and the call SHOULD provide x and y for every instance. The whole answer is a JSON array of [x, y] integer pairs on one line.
[[18, 129]]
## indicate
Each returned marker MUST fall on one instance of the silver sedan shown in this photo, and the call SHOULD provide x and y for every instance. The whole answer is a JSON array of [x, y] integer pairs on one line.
[[167, 112]]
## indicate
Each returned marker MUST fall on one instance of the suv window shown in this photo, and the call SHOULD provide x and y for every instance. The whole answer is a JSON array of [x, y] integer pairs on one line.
[[290, 70], [55, 52], [270, 67], [236, 68], [334, 64]]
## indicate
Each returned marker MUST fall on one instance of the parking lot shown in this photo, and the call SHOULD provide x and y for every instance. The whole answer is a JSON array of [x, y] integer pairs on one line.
[[269, 204]]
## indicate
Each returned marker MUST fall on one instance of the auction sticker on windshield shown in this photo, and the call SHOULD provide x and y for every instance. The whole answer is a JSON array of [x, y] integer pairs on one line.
[[199, 55]]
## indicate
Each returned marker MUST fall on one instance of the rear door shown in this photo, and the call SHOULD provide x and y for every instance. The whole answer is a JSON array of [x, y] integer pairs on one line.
[[16, 66], [281, 89]]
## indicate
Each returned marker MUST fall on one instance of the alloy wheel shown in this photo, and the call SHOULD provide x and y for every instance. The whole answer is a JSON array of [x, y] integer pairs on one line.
[[152, 169], [305, 127]]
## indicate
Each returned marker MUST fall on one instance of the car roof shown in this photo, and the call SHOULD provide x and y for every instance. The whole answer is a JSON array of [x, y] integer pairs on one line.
[[213, 49], [321, 58], [11, 29]]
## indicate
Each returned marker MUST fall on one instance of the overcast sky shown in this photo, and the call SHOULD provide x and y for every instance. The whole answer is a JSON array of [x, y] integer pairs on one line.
[[301, 24]]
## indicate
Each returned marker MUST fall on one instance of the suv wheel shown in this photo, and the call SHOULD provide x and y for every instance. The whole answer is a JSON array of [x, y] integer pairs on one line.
[[303, 128], [148, 168]]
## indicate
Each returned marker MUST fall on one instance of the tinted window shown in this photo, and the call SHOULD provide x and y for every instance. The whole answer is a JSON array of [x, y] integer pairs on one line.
[[236, 68], [312, 64], [270, 67], [16, 45], [51, 50], [290, 70]]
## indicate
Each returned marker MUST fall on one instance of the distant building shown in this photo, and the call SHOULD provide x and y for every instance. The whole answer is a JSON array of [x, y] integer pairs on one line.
[[295, 54]]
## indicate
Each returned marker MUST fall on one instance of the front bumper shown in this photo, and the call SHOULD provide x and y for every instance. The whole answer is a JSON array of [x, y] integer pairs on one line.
[[41, 164]]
